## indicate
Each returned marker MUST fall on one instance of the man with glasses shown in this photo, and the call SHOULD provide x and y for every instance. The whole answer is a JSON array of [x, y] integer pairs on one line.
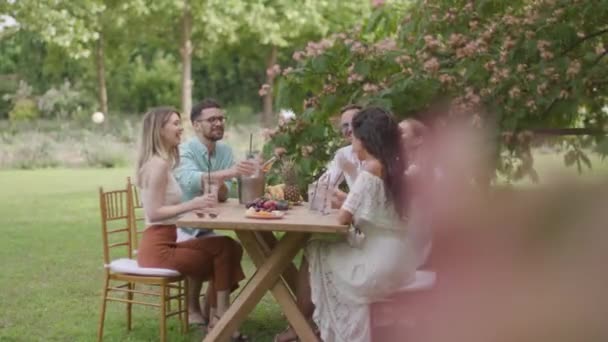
[[345, 165], [204, 158]]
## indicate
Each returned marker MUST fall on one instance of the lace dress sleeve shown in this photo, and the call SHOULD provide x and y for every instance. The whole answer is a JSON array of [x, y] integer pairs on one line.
[[362, 195]]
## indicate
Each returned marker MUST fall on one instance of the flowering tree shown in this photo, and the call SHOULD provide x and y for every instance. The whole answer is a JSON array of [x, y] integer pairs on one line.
[[533, 66]]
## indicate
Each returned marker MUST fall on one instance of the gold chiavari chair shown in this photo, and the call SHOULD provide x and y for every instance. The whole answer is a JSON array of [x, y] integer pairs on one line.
[[121, 275]]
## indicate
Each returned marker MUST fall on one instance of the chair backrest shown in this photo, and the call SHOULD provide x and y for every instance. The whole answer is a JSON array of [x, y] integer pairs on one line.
[[116, 221], [138, 222]]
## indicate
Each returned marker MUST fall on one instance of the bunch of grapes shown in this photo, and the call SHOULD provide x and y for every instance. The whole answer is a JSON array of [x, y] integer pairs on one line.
[[264, 204]]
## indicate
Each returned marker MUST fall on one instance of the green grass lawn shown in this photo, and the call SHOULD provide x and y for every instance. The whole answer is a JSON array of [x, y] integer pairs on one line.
[[51, 258]]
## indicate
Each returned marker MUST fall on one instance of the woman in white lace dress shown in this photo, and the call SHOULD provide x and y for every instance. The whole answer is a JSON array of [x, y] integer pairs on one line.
[[340, 279]]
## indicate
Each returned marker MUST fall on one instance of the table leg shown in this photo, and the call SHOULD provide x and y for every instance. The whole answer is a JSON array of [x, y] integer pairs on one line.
[[265, 278], [281, 292], [291, 272]]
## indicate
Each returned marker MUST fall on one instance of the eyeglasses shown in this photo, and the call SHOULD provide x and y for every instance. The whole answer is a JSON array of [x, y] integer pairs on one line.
[[212, 120]]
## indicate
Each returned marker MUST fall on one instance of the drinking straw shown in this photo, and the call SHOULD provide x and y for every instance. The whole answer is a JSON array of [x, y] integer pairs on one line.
[[250, 144], [209, 172]]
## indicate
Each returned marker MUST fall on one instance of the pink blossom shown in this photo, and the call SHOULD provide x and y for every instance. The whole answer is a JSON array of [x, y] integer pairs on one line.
[[510, 20], [490, 65], [449, 17], [543, 44], [468, 50], [273, 71], [521, 67], [386, 45], [542, 88], [370, 88], [407, 71], [306, 150], [446, 79], [432, 65], [546, 55], [599, 48], [514, 92], [403, 59], [329, 89], [268, 133], [264, 90], [354, 77], [287, 71], [279, 151], [530, 34], [431, 42], [563, 94], [298, 55], [509, 43], [357, 48], [377, 3], [573, 69], [531, 104], [456, 40]]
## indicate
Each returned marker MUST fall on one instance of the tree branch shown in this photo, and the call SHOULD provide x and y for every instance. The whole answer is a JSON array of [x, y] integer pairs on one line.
[[569, 131], [597, 60], [582, 40]]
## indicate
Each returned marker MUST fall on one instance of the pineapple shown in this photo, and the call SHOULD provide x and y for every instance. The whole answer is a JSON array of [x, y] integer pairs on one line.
[[290, 177]]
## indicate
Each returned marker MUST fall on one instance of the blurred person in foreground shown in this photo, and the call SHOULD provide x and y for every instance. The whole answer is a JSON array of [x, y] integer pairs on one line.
[[521, 264]]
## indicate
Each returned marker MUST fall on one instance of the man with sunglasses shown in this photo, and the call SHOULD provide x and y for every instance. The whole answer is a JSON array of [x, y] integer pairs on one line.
[[202, 158], [345, 164]]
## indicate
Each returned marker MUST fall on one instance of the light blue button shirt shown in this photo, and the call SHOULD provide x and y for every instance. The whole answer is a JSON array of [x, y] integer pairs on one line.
[[193, 164]]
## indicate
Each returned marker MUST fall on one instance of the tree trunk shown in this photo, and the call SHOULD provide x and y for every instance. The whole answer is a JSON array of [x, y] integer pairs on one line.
[[100, 66], [267, 114], [186, 54]]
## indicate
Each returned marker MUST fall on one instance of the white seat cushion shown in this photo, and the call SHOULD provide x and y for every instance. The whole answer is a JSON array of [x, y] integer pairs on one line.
[[424, 281], [130, 266]]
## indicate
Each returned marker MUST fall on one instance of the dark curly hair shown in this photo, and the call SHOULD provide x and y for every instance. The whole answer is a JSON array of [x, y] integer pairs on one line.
[[378, 131]]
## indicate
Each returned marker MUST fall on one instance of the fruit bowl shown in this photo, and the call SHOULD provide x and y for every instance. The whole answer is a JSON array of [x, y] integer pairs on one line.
[[264, 215], [265, 204]]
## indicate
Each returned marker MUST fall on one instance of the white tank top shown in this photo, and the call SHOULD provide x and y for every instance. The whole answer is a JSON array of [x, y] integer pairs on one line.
[[173, 195]]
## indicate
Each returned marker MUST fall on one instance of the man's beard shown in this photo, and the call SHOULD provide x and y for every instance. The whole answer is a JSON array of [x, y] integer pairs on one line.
[[215, 135]]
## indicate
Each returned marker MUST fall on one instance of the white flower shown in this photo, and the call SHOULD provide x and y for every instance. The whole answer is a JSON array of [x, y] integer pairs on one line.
[[98, 117], [287, 115]]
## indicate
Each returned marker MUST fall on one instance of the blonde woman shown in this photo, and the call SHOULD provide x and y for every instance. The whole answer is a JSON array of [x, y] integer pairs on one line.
[[216, 258]]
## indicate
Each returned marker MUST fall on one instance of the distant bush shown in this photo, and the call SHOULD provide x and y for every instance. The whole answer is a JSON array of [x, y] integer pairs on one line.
[[24, 110], [62, 143], [106, 151], [65, 102], [24, 107]]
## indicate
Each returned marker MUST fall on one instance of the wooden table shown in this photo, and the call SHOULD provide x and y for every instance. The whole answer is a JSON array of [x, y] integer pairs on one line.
[[273, 259]]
